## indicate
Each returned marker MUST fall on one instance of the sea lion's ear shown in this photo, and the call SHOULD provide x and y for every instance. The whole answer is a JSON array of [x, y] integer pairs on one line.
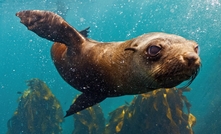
[[51, 26], [130, 49], [132, 46]]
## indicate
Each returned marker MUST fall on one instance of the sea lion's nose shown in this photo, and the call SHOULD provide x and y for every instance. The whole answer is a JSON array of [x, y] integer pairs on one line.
[[191, 58]]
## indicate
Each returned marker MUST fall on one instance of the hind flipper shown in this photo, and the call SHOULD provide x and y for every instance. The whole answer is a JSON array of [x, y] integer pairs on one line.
[[85, 32], [84, 101]]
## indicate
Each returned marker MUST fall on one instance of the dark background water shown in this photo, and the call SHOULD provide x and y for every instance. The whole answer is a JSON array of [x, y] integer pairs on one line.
[[24, 55]]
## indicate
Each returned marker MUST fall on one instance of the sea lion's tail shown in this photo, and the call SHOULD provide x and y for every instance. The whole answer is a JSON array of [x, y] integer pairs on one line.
[[51, 26]]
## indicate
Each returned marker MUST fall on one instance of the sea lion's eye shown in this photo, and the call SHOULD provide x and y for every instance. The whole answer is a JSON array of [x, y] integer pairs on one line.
[[153, 50], [197, 49]]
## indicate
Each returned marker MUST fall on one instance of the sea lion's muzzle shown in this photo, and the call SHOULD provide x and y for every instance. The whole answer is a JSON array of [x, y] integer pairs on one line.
[[192, 59]]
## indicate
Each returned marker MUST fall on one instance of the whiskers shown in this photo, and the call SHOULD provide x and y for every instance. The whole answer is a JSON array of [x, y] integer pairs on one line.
[[195, 73], [171, 74], [151, 81]]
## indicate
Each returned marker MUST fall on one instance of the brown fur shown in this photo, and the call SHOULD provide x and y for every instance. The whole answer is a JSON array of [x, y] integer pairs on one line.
[[101, 70]]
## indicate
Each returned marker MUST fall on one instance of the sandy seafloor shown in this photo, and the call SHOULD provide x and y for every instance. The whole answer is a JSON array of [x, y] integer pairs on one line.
[[24, 55]]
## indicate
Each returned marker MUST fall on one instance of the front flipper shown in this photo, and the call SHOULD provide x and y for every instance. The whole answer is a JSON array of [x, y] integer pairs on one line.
[[51, 26], [84, 101]]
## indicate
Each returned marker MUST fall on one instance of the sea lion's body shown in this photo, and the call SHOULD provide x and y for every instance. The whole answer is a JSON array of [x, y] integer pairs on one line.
[[101, 70], [93, 72], [100, 66]]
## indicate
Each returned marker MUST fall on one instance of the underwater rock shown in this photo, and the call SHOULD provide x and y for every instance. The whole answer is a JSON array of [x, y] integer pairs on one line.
[[89, 121], [38, 112], [160, 111]]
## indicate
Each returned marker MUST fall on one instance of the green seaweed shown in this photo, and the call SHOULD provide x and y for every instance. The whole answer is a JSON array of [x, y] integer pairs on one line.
[[160, 111], [89, 121], [38, 111]]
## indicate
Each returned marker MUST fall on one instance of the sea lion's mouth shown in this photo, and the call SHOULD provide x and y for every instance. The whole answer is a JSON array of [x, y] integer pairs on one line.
[[192, 77], [168, 76], [186, 76]]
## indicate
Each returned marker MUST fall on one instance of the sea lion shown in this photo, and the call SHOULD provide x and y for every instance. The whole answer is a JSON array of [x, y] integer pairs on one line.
[[100, 70]]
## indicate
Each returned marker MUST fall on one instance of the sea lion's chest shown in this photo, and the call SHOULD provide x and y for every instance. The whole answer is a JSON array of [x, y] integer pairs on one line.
[[104, 67], [90, 69]]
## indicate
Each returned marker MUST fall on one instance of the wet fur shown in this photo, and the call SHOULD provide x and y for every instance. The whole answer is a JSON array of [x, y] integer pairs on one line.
[[101, 70]]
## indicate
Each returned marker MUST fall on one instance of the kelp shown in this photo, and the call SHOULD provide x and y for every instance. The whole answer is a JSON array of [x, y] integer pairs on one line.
[[89, 121], [160, 111], [38, 112]]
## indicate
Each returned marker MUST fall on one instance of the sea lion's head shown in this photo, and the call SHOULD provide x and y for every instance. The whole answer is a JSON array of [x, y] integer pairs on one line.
[[165, 60]]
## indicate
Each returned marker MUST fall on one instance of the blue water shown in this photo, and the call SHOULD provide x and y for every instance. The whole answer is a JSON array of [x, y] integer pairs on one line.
[[24, 55]]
